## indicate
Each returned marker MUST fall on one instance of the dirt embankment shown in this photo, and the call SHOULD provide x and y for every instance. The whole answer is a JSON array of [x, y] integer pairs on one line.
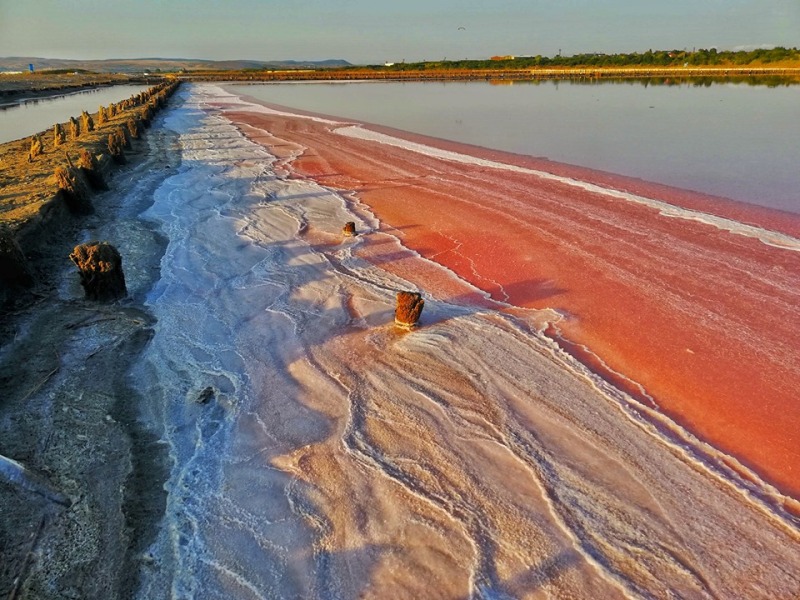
[[19, 87], [80, 479], [43, 185]]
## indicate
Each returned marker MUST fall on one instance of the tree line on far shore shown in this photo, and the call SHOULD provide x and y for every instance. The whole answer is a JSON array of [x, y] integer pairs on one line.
[[650, 58]]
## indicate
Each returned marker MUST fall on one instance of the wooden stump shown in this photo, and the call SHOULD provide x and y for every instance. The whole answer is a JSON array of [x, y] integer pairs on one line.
[[116, 142], [408, 310], [74, 189], [87, 163], [100, 267], [37, 148], [349, 229], [14, 271]]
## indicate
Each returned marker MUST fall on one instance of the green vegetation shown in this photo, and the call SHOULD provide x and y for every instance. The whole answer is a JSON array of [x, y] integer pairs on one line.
[[782, 64], [651, 58]]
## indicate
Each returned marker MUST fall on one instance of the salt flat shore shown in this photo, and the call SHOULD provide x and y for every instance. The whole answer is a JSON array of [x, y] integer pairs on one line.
[[689, 302], [551, 429]]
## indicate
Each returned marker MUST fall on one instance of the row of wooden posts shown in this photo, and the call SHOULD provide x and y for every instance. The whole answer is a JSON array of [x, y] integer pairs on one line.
[[150, 100], [100, 263], [101, 275], [71, 180]]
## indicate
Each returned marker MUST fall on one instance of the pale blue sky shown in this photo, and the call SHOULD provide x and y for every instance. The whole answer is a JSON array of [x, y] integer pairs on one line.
[[371, 31]]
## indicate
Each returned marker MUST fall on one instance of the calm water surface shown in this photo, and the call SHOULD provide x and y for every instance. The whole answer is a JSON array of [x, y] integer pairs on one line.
[[727, 139], [37, 115]]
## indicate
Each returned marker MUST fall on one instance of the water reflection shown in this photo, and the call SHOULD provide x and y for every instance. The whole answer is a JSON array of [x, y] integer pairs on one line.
[[735, 138], [33, 115], [24, 102], [706, 81]]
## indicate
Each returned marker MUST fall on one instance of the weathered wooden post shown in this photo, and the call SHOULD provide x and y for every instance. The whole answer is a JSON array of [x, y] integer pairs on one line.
[[73, 187], [87, 123], [409, 307], [116, 141], [58, 135], [37, 148], [349, 229], [87, 163], [74, 129], [14, 271], [100, 267]]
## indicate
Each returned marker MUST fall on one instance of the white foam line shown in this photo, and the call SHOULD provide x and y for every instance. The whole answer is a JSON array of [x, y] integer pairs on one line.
[[456, 249], [766, 236]]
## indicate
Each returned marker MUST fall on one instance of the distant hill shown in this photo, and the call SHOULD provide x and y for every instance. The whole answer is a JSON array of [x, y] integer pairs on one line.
[[140, 65]]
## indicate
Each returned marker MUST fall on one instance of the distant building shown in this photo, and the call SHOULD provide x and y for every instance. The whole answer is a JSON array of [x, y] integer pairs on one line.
[[506, 57], [388, 64]]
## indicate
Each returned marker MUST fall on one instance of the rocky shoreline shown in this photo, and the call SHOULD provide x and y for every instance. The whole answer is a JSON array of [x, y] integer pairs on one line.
[[68, 417]]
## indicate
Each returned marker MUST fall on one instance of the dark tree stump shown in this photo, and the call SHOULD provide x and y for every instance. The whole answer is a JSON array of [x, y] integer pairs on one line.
[[100, 267], [408, 310], [14, 270], [90, 167], [74, 189], [349, 229], [205, 396]]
